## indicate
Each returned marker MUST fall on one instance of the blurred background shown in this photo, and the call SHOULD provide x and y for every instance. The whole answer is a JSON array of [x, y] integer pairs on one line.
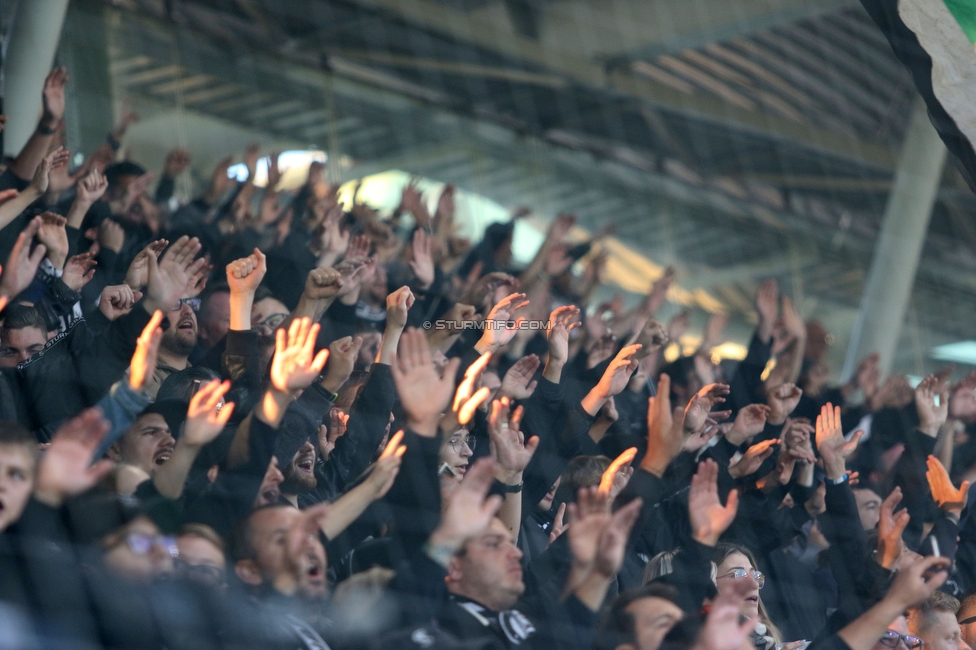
[[736, 140]]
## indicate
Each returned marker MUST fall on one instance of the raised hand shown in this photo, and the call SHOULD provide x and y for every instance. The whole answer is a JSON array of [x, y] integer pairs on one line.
[[509, 449], [496, 335], [42, 175], [783, 400], [945, 495], [891, 526], [342, 361], [750, 420], [619, 464], [725, 628], [117, 300], [91, 188], [79, 270], [709, 518], [424, 394], [698, 411], [53, 235], [560, 325], [143, 364], [652, 337], [111, 235], [176, 161], [833, 447], [170, 276], [618, 373], [422, 263], [916, 582], [753, 458], [207, 415], [387, 466], [53, 94], [295, 364], [66, 469], [398, 305], [466, 399], [137, 275], [931, 417], [245, 275], [467, 512], [517, 382], [767, 304], [22, 264], [323, 284], [664, 436]]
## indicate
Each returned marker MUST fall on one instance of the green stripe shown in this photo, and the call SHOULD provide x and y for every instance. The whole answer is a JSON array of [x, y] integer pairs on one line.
[[965, 14]]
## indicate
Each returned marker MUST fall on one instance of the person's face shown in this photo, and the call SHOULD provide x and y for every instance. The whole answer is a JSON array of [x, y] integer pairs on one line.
[[968, 631], [943, 633], [653, 619], [300, 473], [182, 333], [723, 580], [456, 450], [270, 490], [20, 345], [371, 345], [215, 319], [546, 502], [17, 464], [899, 625], [267, 315], [868, 507], [489, 572], [269, 529], [147, 444], [139, 552], [202, 560]]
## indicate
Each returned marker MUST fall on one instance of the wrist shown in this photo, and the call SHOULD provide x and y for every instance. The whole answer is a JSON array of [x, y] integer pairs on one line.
[[482, 346], [931, 429], [48, 124], [835, 470], [508, 477], [48, 496], [553, 371], [444, 542], [736, 437], [776, 418], [332, 384]]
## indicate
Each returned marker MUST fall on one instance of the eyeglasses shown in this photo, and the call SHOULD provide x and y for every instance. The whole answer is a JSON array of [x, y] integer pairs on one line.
[[458, 443], [891, 638], [192, 303], [271, 322], [204, 573], [742, 573], [142, 543]]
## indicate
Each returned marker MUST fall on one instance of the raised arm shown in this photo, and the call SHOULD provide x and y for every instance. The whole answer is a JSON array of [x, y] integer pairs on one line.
[[39, 144], [243, 277]]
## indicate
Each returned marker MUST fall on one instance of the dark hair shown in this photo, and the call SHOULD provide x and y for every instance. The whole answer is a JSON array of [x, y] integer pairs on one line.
[[116, 171], [263, 293], [202, 531], [183, 385], [618, 626], [580, 472], [16, 434], [18, 317]]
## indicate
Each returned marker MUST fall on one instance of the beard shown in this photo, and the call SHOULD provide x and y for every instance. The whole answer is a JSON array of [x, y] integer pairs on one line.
[[296, 481], [178, 341]]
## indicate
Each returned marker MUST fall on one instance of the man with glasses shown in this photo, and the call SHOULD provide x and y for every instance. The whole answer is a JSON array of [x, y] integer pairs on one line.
[[934, 622], [179, 339], [898, 638]]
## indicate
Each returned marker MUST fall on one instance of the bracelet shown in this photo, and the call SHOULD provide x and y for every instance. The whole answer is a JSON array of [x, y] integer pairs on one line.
[[45, 130], [838, 481], [512, 489], [953, 517]]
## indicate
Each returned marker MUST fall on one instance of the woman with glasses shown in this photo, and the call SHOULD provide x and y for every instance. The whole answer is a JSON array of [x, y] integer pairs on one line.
[[732, 563]]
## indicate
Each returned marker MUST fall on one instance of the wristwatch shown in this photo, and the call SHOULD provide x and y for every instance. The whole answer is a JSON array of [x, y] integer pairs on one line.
[[837, 481], [512, 489]]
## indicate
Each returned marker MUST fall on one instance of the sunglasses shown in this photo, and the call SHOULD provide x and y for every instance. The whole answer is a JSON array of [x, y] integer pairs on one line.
[[458, 443], [142, 543], [271, 323], [742, 573], [891, 638]]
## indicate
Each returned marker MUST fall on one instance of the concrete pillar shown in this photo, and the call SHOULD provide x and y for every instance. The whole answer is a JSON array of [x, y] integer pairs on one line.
[[34, 34], [84, 51], [899, 247]]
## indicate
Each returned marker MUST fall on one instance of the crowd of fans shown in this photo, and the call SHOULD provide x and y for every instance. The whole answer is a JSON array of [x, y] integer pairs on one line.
[[267, 419]]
